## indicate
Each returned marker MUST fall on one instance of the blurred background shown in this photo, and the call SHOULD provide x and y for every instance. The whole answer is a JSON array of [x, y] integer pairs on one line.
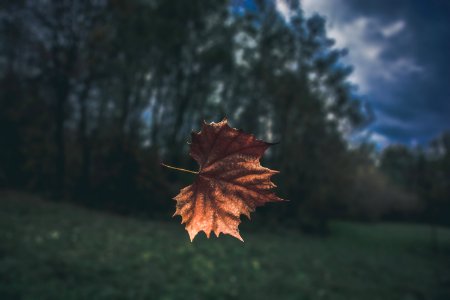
[[95, 94]]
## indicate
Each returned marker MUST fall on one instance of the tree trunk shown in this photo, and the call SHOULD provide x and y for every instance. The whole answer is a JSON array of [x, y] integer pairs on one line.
[[84, 141], [62, 92]]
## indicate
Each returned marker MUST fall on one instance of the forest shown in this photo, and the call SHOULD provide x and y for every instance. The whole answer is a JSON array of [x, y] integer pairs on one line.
[[95, 95]]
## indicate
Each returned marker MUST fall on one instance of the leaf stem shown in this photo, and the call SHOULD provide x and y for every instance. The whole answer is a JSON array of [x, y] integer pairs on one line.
[[179, 169]]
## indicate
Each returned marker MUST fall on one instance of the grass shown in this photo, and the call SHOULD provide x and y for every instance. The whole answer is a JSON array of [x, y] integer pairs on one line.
[[60, 251]]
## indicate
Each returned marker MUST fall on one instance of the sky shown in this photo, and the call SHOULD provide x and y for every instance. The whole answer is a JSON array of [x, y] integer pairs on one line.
[[400, 54]]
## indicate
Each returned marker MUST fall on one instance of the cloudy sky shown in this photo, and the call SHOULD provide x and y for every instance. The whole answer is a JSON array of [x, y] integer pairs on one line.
[[400, 53]]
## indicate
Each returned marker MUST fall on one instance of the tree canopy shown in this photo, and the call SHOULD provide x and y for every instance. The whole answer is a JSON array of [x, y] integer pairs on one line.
[[94, 94]]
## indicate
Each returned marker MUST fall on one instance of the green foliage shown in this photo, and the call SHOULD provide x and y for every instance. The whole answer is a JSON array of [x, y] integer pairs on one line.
[[58, 251]]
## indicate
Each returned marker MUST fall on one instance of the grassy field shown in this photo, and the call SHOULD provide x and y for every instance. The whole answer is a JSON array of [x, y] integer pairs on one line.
[[60, 251]]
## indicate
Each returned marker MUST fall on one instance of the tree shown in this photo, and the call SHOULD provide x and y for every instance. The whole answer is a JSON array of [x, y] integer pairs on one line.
[[120, 84]]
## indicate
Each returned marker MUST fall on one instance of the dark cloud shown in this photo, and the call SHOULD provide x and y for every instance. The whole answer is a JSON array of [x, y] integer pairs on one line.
[[400, 54]]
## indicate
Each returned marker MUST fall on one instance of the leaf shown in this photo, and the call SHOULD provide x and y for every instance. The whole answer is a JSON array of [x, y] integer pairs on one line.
[[230, 181]]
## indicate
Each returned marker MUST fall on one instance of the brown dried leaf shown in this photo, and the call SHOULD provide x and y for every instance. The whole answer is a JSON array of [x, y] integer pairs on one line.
[[230, 181]]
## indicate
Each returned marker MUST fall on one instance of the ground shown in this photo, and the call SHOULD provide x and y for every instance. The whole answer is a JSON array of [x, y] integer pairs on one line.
[[61, 251]]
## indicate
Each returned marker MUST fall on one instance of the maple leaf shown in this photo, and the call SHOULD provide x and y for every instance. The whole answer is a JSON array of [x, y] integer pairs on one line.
[[230, 181]]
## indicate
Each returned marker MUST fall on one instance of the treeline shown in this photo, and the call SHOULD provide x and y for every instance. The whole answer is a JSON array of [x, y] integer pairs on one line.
[[424, 172], [95, 94]]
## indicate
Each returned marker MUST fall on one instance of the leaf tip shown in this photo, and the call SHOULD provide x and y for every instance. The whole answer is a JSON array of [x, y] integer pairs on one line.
[[192, 235], [239, 237]]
